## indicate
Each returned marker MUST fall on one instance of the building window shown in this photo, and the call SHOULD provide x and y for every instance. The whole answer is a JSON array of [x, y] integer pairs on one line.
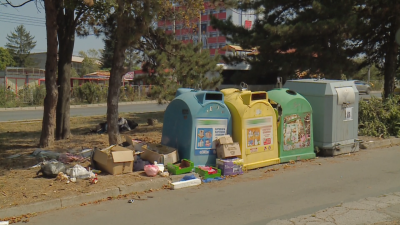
[[213, 46], [204, 13], [213, 34], [178, 38], [185, 37], [213, 11], [222, 10], [221, 45], [178, 27], [169, 28]]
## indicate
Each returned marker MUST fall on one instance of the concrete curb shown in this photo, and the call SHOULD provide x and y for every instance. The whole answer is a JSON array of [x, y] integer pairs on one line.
[[380, 144], [85, 198], [78, 106]]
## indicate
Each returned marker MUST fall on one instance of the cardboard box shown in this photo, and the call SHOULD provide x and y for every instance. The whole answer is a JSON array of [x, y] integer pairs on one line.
[[160, 153], [230, 166], [226, 139], [114, 160], [228, 150], [137, 145]]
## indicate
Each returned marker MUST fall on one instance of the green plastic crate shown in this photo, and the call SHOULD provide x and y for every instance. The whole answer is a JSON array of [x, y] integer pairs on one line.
[[205, 174], [174, 169]]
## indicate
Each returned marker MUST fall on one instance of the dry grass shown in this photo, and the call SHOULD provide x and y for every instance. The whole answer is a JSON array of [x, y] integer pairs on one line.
[[20, 185]]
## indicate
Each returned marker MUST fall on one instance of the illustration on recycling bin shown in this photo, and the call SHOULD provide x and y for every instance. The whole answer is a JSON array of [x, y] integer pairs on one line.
[[193, 121], [294, 125]]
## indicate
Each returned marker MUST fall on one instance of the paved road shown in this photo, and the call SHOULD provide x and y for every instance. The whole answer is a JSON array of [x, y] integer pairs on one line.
[[374, 94], [254, 198], [90, 111]]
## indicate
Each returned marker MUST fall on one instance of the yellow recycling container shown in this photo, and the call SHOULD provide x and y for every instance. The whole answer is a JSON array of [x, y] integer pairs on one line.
[[253, 126]]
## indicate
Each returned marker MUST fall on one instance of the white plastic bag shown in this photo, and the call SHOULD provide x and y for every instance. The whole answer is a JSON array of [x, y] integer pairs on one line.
[[78, 172]]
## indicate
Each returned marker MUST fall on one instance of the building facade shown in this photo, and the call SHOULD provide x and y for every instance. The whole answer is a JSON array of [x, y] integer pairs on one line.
[[16, 78], [39, 60], [211, 38]]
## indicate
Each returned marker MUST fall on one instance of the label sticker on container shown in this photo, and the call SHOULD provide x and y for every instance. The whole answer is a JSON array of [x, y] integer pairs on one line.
[[207, 131], [259, 133], [296, 133], [349, 114]]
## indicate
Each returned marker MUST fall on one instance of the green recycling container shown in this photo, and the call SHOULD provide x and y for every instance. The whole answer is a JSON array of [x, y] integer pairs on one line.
[[295, 129]]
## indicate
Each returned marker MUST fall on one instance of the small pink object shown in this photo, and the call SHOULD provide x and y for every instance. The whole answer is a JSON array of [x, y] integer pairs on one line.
[[151, 170]]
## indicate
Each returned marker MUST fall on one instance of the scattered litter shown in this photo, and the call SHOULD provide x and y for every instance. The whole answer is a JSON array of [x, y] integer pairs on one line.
[[51, 169], [184, 184], [4, 222], [96, 171], [208, 180], [94, 180], [150, 196], [61, 176], [69, 158], [79, 172], [139, 164], [160, 166], [188, 177], [13, 156], [73, 179], [45, 154], [151, 170], [152, 122], [123, 124], [131, 201], [164, 174]]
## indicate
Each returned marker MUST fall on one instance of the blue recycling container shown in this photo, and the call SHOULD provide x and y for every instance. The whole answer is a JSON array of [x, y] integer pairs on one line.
[[193, 121]]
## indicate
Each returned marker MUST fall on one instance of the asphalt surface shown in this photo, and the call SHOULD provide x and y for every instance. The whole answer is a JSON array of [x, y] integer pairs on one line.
[[16, 115], [257, 197]]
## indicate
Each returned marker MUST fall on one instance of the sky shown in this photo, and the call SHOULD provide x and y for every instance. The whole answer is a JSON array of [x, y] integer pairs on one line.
[[33, 18]]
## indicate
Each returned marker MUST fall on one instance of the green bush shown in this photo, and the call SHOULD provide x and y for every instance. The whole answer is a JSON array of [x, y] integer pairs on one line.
[[89, 93], [379, 118]]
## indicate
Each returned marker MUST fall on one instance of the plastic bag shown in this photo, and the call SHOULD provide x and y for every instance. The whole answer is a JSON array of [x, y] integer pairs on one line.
[[51, 169], [79, 172], [151, 170]]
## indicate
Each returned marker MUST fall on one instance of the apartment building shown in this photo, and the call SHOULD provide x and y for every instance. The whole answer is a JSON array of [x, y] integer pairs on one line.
[[211, 38]]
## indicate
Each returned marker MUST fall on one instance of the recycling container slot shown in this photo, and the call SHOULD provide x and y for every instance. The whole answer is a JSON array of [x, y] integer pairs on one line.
[[290, 92], [258, 96], [214, 97]]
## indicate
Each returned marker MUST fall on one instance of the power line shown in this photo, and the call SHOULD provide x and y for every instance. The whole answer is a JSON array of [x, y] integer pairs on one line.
[[22, 18], [22, 15], [36, 25], [22, 21]]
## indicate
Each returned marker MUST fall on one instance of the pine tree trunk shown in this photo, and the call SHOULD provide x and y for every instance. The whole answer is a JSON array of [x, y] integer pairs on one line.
[[115, 79], [391, 58], [50, 101], [66, 36]]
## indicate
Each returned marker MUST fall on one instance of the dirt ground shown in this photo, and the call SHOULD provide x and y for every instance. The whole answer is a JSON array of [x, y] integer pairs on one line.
[[19, 183]]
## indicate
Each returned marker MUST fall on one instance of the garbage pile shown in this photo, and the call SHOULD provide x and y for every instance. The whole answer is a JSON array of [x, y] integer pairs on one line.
[[135, 155], [123, 124]]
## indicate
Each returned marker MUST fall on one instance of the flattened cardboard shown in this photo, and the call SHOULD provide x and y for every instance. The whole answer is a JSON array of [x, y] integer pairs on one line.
[[116, 161], [226, 139], [228, 150], [160, 153], [137, 145]]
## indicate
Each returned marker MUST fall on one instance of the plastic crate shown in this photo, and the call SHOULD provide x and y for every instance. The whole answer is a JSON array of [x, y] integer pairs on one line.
[[205, 174], [186, 167]]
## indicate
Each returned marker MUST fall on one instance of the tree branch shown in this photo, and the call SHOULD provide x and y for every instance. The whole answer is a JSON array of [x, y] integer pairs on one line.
[[16, 6], [78, 16]]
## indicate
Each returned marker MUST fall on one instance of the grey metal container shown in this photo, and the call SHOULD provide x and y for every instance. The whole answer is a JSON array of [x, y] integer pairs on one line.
[[335, 113]]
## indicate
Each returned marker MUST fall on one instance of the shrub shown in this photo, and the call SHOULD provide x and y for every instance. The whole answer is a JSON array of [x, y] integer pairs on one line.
[[379, 118]]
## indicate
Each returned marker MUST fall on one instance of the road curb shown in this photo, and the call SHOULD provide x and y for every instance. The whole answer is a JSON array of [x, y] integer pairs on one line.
[[380, 144], [37, 207], [77, 106]]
